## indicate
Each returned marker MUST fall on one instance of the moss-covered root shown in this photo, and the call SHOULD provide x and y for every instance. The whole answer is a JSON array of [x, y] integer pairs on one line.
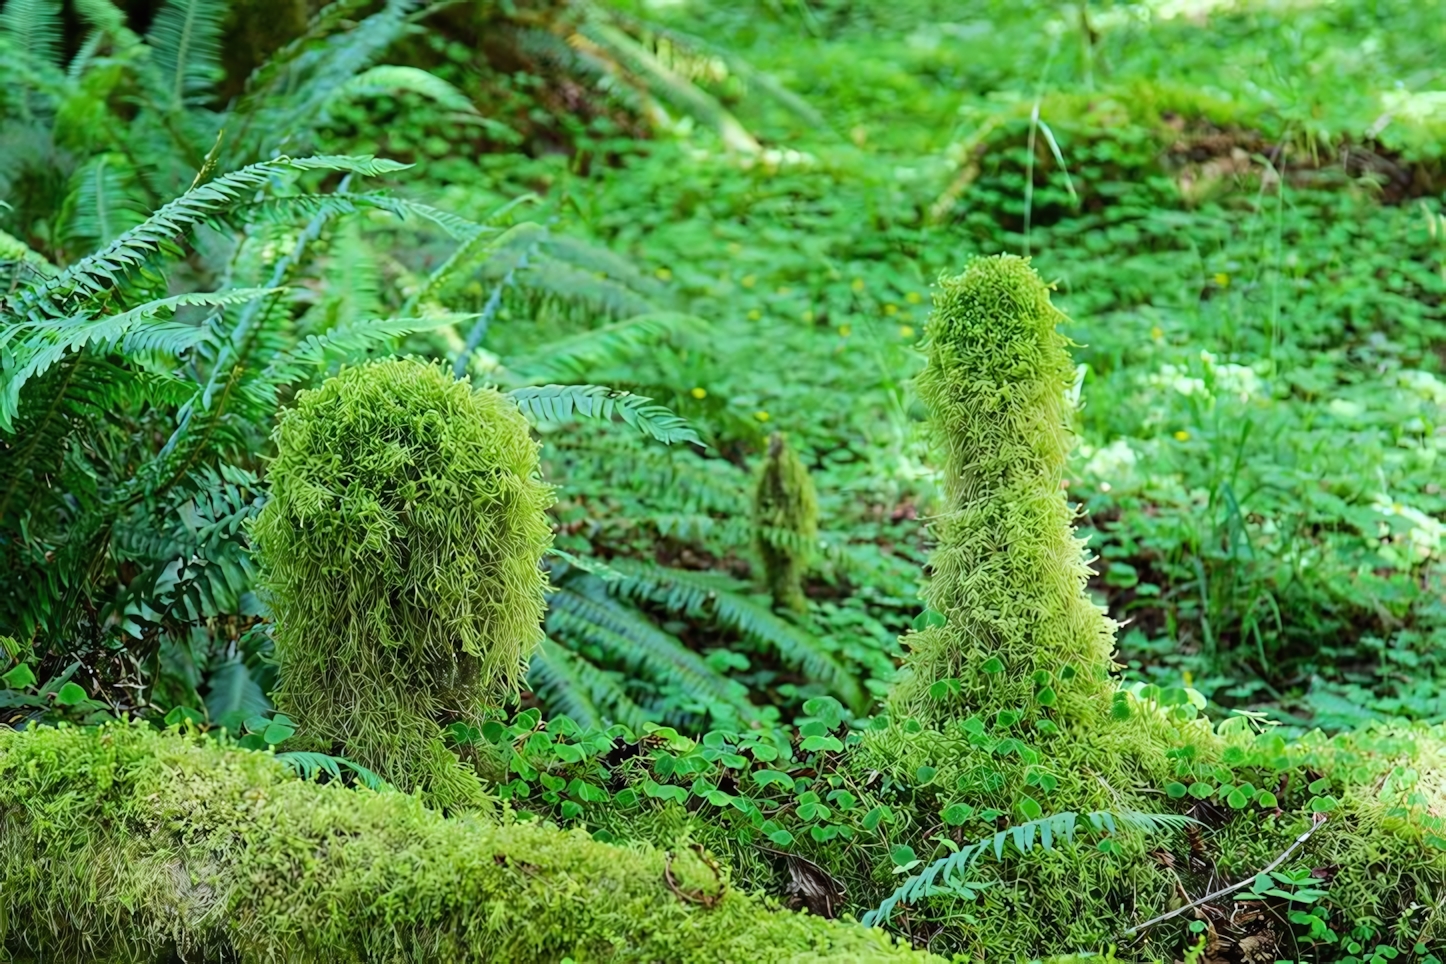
[[124, 843], [1018, 631], [785, 521], [401, 548]]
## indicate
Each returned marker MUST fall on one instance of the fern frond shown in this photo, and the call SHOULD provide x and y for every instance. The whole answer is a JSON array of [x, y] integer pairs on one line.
[[99, 272], [565, 287], [471, 255], [49, 342], [232, 694], [32, 29], [572, 357], [308, 765], [109, 20], [715, 597], [319, 71], [559, 403], [102, 204], [30, 76], [739, 66], [352, 341], [661, 81], [628, 636], [1021, 838], [390, 79], [185, 42], [570, 685]]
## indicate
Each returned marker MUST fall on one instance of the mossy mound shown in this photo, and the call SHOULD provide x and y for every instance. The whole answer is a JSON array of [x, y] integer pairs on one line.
[[125, 844], [400, 547]]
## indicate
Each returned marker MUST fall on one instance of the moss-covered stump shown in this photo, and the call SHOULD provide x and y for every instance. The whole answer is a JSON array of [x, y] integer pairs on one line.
[[125, 844], [400, 548], [785, 522]]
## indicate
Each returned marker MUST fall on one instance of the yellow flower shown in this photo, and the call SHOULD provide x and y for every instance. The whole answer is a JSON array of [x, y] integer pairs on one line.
[[699, 392], [906, 331], [1157, 333], [891, 309], [807, 314], [845, 330], [858, 284], [663, 274], [1189, 678], [1182, 436], [761, 416], [754, 315], [1222, 279], [913, 297], [749, 281]]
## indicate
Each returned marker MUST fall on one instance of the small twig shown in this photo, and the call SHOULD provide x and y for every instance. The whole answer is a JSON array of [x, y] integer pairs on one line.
[[699, 896], [1233, 887]]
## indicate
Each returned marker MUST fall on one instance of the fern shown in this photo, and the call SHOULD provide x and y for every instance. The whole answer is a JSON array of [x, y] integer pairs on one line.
[[605, 40], [572, 357], [102, 203], [388, 79], [49, 343], [560, 403], [90, 277], [309, 765], [715, 598], [572, 686], [580, 613], [185, 42], [1021, 838]]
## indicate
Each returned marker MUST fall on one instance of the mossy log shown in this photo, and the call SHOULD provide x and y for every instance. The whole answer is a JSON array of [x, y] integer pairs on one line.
[[131, 845]]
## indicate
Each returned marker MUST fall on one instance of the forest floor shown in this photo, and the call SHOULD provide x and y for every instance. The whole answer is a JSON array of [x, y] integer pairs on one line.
[[1241, 206]]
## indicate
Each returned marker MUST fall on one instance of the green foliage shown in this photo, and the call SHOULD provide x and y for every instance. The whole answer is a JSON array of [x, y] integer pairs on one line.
[[132, 419], [785, 514], [1021, 837], [557, 403], [400, 548], [1238, 208]]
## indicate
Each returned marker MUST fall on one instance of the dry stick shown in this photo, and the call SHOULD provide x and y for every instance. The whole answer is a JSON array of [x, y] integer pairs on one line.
[[1233, 887]]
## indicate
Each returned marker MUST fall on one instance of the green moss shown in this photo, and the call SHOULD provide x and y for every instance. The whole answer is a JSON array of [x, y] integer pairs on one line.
[[123, 843], [785, 518], [1018, 631], [400, 549]]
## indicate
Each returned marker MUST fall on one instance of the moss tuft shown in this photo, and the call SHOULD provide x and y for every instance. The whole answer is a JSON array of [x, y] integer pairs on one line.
[[400, 548], [1018, 631], [785, 518]]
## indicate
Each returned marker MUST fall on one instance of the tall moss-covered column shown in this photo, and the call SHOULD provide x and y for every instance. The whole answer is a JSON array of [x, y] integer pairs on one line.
[[400, 549], [1012, 625]]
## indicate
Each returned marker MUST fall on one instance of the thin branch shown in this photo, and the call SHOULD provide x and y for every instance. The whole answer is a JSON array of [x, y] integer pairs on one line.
[[1233, 887]]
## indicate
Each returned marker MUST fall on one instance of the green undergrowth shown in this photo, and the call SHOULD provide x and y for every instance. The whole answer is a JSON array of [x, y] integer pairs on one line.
[[125, 844], [1005, 720]]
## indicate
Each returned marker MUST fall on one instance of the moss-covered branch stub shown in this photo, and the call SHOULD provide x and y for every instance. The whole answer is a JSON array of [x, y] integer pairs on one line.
[[401, 549], [785, 519], [1011, 625]]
